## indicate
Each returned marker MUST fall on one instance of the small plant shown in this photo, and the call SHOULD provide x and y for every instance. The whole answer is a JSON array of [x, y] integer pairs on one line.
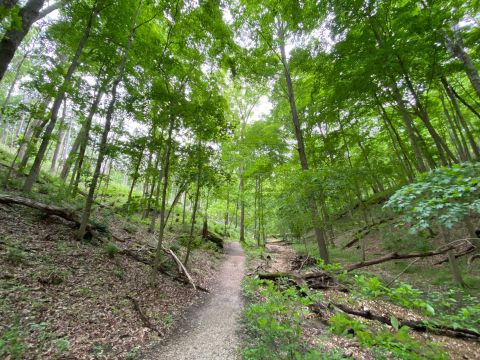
[[328, 267], [62, 345], [15, 256], [11, 344], [119, 273], [52, 276], [274, 322], [85, 292], [130, 228], [111, 249]]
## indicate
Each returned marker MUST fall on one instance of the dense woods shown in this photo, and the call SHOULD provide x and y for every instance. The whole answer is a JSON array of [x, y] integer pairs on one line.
[[350, 129]]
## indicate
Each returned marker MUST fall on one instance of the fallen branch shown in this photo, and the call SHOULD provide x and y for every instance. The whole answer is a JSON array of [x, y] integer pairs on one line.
[[148, 260], [397, 256], [182, 267], [359, 234], [419, 326], [146, 322], [472, 258], [460, 254]]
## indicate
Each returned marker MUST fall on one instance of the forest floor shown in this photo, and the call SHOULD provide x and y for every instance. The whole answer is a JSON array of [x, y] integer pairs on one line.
[[211, 331], [279, 257], [65, 299]]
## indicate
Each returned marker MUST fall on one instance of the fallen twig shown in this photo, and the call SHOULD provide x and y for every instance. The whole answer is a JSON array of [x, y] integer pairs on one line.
[[146, 322]]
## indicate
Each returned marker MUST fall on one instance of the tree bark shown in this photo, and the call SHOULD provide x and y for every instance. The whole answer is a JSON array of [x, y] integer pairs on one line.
[[61, 135], [166, 174], [453, 99], [194, 213], [14, 36], [35, 170], [81, 141], [456, 47]]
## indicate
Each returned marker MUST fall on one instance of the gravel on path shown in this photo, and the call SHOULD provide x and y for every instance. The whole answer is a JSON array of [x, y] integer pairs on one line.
[[212, 332]]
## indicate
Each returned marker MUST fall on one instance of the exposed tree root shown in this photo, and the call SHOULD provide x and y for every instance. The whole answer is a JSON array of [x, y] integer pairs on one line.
[[420, 326]]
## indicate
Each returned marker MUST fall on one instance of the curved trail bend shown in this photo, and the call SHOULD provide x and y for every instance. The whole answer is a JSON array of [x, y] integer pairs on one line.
[[212, 331]]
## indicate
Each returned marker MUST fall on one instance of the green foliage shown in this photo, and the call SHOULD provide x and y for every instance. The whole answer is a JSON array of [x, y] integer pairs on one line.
[[62, 345], [273, 322], [398, 342], [452, 308], [130, 228], [15, 255], [51, 275], [110, 249], [441, 197], [12, 343]]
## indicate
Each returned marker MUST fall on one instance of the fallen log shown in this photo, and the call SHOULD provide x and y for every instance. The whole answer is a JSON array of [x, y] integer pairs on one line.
[[67, 214], [146, 322], [419, 326], [397, 256], [314, 280], [215, 238]]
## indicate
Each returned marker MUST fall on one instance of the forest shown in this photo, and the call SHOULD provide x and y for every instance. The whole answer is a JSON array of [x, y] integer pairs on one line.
[[314, 164]]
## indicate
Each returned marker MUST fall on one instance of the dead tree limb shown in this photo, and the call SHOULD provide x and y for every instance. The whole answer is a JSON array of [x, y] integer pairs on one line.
[[467, 251], [146, 322], [397, 256], [364, 232], [419, 326], [314, 280], [148, 260], [182, 267]]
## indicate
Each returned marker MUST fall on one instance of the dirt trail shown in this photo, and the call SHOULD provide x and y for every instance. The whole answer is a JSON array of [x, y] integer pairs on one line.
[[212, 329]]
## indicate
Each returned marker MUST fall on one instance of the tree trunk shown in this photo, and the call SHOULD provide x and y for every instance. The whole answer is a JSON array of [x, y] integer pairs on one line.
[[408, 122], [400, 152], [184, 206], [135, 177], [319, 233], [227, 210], [35, 170], [61, 135], [456, 47], [453, 100], [14, 36], [194, 213], [166, 168], [462, 149], [10, 91], [443, 150], [108, 122], [242, 208], [81, 141]]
